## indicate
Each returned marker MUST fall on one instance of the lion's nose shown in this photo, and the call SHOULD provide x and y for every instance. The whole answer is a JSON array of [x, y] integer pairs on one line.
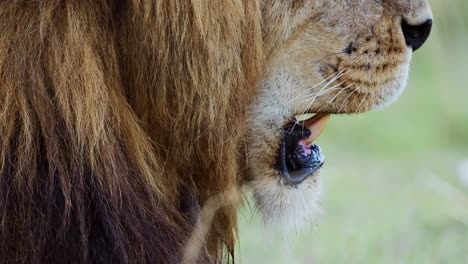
[[416, 35]]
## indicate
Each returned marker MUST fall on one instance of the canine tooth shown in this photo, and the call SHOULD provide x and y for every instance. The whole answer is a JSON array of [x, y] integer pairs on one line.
[[303, 117], [316, 125]]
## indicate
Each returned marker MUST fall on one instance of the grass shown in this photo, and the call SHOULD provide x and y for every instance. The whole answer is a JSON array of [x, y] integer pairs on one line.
[[391, 189], [376, 213]]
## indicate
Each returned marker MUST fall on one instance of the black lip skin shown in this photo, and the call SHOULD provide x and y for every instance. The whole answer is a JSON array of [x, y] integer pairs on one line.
[[294, 166]]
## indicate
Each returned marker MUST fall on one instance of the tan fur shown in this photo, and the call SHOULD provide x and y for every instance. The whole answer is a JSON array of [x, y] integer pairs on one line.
[[126, 102], [323, 57], [120, 121]]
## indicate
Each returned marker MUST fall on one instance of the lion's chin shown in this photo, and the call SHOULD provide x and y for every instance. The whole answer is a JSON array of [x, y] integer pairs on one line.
[[286, 208], [289, 200]]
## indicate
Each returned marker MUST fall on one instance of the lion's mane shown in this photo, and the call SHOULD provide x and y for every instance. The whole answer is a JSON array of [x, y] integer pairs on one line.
[[118, 119]]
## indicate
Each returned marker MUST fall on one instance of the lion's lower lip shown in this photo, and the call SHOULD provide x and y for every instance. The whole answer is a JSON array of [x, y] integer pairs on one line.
[[298, 158], [308, 166]]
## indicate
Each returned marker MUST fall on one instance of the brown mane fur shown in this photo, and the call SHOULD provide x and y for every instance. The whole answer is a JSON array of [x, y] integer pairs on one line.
[[117, 118]]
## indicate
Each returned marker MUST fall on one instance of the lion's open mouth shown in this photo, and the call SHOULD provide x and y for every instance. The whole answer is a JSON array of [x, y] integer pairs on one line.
[[298, 156]]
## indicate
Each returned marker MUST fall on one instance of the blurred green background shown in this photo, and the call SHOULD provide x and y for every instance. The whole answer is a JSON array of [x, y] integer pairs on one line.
[[396, 181]]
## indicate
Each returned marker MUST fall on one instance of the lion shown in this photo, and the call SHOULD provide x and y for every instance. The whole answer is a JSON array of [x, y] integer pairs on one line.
[[128, 128], [326, 57]]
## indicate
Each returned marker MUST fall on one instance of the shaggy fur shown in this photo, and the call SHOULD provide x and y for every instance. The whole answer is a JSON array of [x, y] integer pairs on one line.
[[123, 122], [115, 117]]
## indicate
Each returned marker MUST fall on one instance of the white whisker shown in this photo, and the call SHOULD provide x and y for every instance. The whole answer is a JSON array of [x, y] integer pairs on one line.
[[331, 89], [363, 99], [349, 96], [322, 90], [342, 90], [332, 77]]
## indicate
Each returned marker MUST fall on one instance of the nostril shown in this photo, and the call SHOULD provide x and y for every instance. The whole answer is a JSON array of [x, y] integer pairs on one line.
[[416, 35]]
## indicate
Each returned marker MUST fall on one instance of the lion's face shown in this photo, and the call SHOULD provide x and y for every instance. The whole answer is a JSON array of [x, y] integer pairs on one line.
[[326, 57]]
